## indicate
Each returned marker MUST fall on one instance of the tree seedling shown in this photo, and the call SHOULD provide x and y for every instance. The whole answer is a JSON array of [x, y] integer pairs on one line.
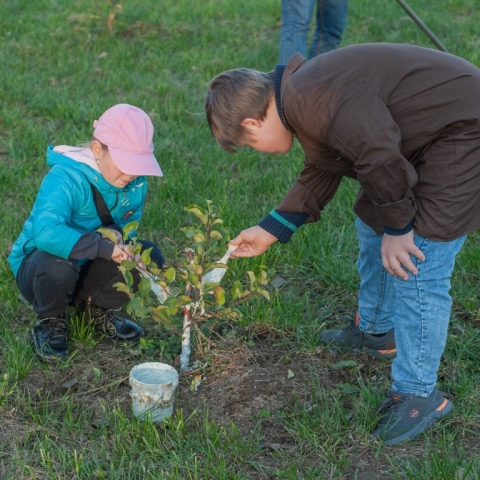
[[191, 287]]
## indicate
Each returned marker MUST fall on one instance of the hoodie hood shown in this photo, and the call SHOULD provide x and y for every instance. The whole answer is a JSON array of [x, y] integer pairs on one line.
[[83, 160], [81, 155]]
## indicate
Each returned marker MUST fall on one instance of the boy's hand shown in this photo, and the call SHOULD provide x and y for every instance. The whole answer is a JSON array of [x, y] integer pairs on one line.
[[252, 242], [396, 250]]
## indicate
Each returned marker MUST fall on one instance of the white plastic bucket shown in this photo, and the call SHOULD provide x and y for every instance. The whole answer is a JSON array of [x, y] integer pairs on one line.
[[153, 390]]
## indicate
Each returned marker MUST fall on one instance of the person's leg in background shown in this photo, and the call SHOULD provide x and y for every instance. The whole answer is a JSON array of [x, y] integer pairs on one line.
[[296, 20], [331, 20]]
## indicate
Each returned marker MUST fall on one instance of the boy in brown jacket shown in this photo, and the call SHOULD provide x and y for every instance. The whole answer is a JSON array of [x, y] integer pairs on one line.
[[404, 121]]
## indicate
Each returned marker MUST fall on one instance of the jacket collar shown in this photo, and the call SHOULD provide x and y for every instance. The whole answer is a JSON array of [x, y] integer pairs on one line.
[[278, 97], [291, 66]]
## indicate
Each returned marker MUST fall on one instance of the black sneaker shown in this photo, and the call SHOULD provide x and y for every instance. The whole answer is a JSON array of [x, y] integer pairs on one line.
[[110, 323], [352, 338], [407, 416], [50, 339]]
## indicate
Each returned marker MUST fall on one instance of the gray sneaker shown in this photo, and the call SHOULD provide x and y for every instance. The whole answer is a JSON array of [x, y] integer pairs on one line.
[[352, 338], [407, 416]]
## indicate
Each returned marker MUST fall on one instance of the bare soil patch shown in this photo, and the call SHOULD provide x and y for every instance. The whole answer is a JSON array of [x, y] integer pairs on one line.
[[249, 384]]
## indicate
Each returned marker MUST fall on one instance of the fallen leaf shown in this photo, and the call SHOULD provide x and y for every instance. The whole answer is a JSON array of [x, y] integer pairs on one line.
[[278, 282], [343, 364], [197, 380], [70, 383]]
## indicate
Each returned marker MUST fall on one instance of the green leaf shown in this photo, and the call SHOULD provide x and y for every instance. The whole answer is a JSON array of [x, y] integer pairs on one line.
[[128, 277], [218, 220], [166, 311], [263, 277], [251, 275], [237, 290], [154, 271], [184, 300], [196, 269], [137, 248], [106, 232], [264, 293], [160, 314], [192, 278], [169, 274], [144, 287], [171, 302], [199, 237], [129, 229], [134, 304], [129, 264], [198, 212], [236, 313], [219, 293], [146, 256], [143, 312], [121, 287], [216, 234]]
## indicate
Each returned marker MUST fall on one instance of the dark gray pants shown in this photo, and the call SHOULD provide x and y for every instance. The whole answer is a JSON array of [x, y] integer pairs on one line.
[[51, 283]]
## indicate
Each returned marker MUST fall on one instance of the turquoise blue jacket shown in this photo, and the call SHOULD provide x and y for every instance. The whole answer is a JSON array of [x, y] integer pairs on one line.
[[64, 208]]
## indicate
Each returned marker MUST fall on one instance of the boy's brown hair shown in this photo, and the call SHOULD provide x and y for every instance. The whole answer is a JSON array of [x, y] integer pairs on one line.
[[232, 97]]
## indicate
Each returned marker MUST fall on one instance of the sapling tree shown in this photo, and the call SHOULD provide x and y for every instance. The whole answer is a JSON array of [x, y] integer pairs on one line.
[[183, 289]]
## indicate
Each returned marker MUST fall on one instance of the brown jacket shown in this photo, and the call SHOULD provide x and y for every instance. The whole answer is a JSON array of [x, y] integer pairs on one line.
[[402, 120]]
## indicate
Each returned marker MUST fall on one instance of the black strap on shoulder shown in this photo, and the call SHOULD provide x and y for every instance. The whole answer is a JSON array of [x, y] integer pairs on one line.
[[101, 206]]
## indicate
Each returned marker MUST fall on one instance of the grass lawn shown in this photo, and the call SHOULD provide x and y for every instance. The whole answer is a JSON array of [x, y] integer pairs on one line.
[[272, 403]]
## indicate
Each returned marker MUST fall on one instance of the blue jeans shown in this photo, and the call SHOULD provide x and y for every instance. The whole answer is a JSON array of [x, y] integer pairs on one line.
[[418, 308], [331, 18]]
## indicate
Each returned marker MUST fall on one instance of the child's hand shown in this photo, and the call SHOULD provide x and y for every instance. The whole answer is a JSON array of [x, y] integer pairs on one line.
[[121, 253], [396, 250]]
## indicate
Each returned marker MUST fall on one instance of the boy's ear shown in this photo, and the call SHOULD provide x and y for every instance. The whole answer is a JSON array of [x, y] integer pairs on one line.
[[251, 122]]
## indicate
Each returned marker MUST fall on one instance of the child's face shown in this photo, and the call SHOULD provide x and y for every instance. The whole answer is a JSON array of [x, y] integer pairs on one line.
[[111, 173]]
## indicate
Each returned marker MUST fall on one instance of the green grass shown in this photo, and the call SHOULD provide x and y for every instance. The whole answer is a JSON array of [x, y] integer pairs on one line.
[[61, 68]]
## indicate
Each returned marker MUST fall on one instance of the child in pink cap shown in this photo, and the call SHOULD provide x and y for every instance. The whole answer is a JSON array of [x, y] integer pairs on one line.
[[59, 259]]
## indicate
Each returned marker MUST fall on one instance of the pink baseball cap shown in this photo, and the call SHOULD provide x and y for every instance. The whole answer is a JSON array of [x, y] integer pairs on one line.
[[127, 131]]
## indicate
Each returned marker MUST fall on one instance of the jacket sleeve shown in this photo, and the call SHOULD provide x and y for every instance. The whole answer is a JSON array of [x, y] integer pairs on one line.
[[363, 131], [92, 246], [312, 190], [52, 211]]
